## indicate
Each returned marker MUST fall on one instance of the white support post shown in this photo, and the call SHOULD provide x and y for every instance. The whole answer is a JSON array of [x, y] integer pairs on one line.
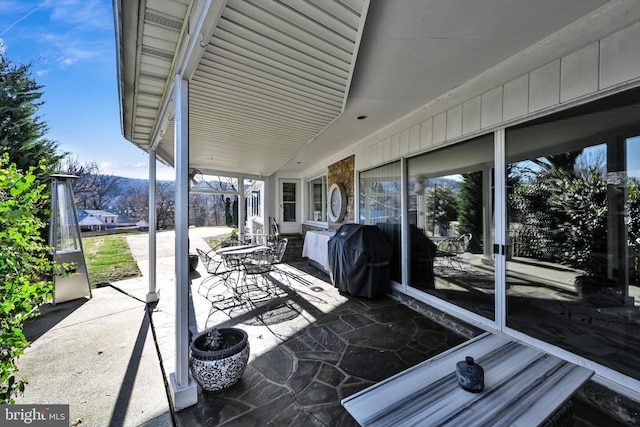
[[153, 294], [184, 388], [241, 209]]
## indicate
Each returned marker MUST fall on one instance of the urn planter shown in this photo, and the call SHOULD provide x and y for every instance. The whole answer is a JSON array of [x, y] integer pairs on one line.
[[193, 262], [219, 357]]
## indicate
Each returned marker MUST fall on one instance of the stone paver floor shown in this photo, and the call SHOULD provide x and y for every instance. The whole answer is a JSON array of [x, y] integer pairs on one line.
[[299, 374]]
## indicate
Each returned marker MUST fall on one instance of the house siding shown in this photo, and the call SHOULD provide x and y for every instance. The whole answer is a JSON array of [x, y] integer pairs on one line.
[[609, 65]]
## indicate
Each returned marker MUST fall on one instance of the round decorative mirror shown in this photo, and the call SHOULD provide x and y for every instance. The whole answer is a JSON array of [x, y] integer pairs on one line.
[[337, 202]]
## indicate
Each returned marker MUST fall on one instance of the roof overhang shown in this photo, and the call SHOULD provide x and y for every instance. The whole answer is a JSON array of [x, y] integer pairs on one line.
[[274, 84]]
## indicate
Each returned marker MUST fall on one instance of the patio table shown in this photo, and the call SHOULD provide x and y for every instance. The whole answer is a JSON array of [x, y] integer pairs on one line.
[[233, 255], [240, 250], [235, 258], [523, 387]]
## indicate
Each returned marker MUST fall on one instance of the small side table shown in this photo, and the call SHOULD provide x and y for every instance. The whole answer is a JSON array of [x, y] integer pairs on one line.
[[523, 387]]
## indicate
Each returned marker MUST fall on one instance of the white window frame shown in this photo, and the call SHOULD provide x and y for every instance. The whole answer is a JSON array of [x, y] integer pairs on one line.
[[309, 210]]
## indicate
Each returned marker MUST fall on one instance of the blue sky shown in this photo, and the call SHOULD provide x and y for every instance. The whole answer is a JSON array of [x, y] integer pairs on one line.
[[72, 46]]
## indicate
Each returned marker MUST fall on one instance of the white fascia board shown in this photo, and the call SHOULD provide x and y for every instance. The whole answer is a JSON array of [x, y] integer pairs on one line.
[[202, 18]]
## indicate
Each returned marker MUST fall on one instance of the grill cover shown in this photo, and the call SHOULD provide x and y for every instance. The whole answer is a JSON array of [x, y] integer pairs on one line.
[[359, 257]]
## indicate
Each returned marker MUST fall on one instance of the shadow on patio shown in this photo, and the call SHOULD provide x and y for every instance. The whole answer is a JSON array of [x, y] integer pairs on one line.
[[311, 347]]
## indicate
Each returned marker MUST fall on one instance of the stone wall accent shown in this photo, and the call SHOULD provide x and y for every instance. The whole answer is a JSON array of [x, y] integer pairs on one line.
[[307, 227], [342, 173]]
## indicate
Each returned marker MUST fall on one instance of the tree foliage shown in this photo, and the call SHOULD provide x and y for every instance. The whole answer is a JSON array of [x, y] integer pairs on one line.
[[165, 200], [24, 266], [580, 205], [470, 209], [22, 132], [563, 216], [442, 205], [97, 191]]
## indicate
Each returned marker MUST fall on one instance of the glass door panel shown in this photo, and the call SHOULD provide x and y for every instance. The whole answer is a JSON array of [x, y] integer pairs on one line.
[[290, 222], [573, 214], [289, 202], [449, 197], [381, 205]]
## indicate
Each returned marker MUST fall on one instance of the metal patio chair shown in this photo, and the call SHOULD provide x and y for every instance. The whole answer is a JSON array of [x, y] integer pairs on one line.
[[452, 250]]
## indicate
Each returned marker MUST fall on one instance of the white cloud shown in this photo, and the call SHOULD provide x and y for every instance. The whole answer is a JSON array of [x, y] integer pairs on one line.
[[89, 14], [3, 50], [69, 49], [68, 61], [66, 32], [114, 165]]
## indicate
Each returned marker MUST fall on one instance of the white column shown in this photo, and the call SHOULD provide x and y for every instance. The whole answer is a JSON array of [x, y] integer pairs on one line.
[[241, 222], [184, 388], [153, 294]]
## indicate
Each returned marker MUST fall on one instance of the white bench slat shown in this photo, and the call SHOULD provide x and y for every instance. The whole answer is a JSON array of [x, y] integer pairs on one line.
[[523, 386]]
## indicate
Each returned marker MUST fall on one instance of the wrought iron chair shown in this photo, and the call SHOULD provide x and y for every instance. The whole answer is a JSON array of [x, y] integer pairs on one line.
[[278, 255], [254, 287], [219, 275], [452, 250], [279, 250], [273, 238], [211, 263], [259, 264]]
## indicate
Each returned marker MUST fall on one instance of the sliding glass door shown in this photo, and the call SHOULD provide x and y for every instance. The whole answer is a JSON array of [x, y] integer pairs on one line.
[[533, 230], [573, 229], [449, 225]]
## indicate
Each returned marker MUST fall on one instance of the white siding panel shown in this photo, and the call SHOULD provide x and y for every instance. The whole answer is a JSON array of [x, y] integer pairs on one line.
[[454, 122], [414, 139], [620, 57], [440, 128], [544, 87], [426, 133], [471, 115], [492, 107], [579, 73], [404, 142], [395, 146], [379, 155], [516, 98], [386, 150], [360, 162]]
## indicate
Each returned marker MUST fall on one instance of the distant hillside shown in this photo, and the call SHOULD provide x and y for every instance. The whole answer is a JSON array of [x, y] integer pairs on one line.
[[134, 183]]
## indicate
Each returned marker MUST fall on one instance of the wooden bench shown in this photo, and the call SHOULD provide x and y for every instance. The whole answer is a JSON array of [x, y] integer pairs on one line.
[[523, 387]]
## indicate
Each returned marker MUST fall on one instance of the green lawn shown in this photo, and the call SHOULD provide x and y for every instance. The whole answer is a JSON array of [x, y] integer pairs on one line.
[[214, 241], [108, 258]]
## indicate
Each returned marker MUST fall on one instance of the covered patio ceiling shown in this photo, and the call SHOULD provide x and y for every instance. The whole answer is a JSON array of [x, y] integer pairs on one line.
[[278, 85]]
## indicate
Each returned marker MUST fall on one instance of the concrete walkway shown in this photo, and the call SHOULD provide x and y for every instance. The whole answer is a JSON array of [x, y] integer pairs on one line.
[[98, 356]]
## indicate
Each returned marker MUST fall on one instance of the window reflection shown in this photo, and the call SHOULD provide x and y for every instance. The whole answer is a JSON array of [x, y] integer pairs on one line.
[[380, 204], [573, 209], [449, 194]]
